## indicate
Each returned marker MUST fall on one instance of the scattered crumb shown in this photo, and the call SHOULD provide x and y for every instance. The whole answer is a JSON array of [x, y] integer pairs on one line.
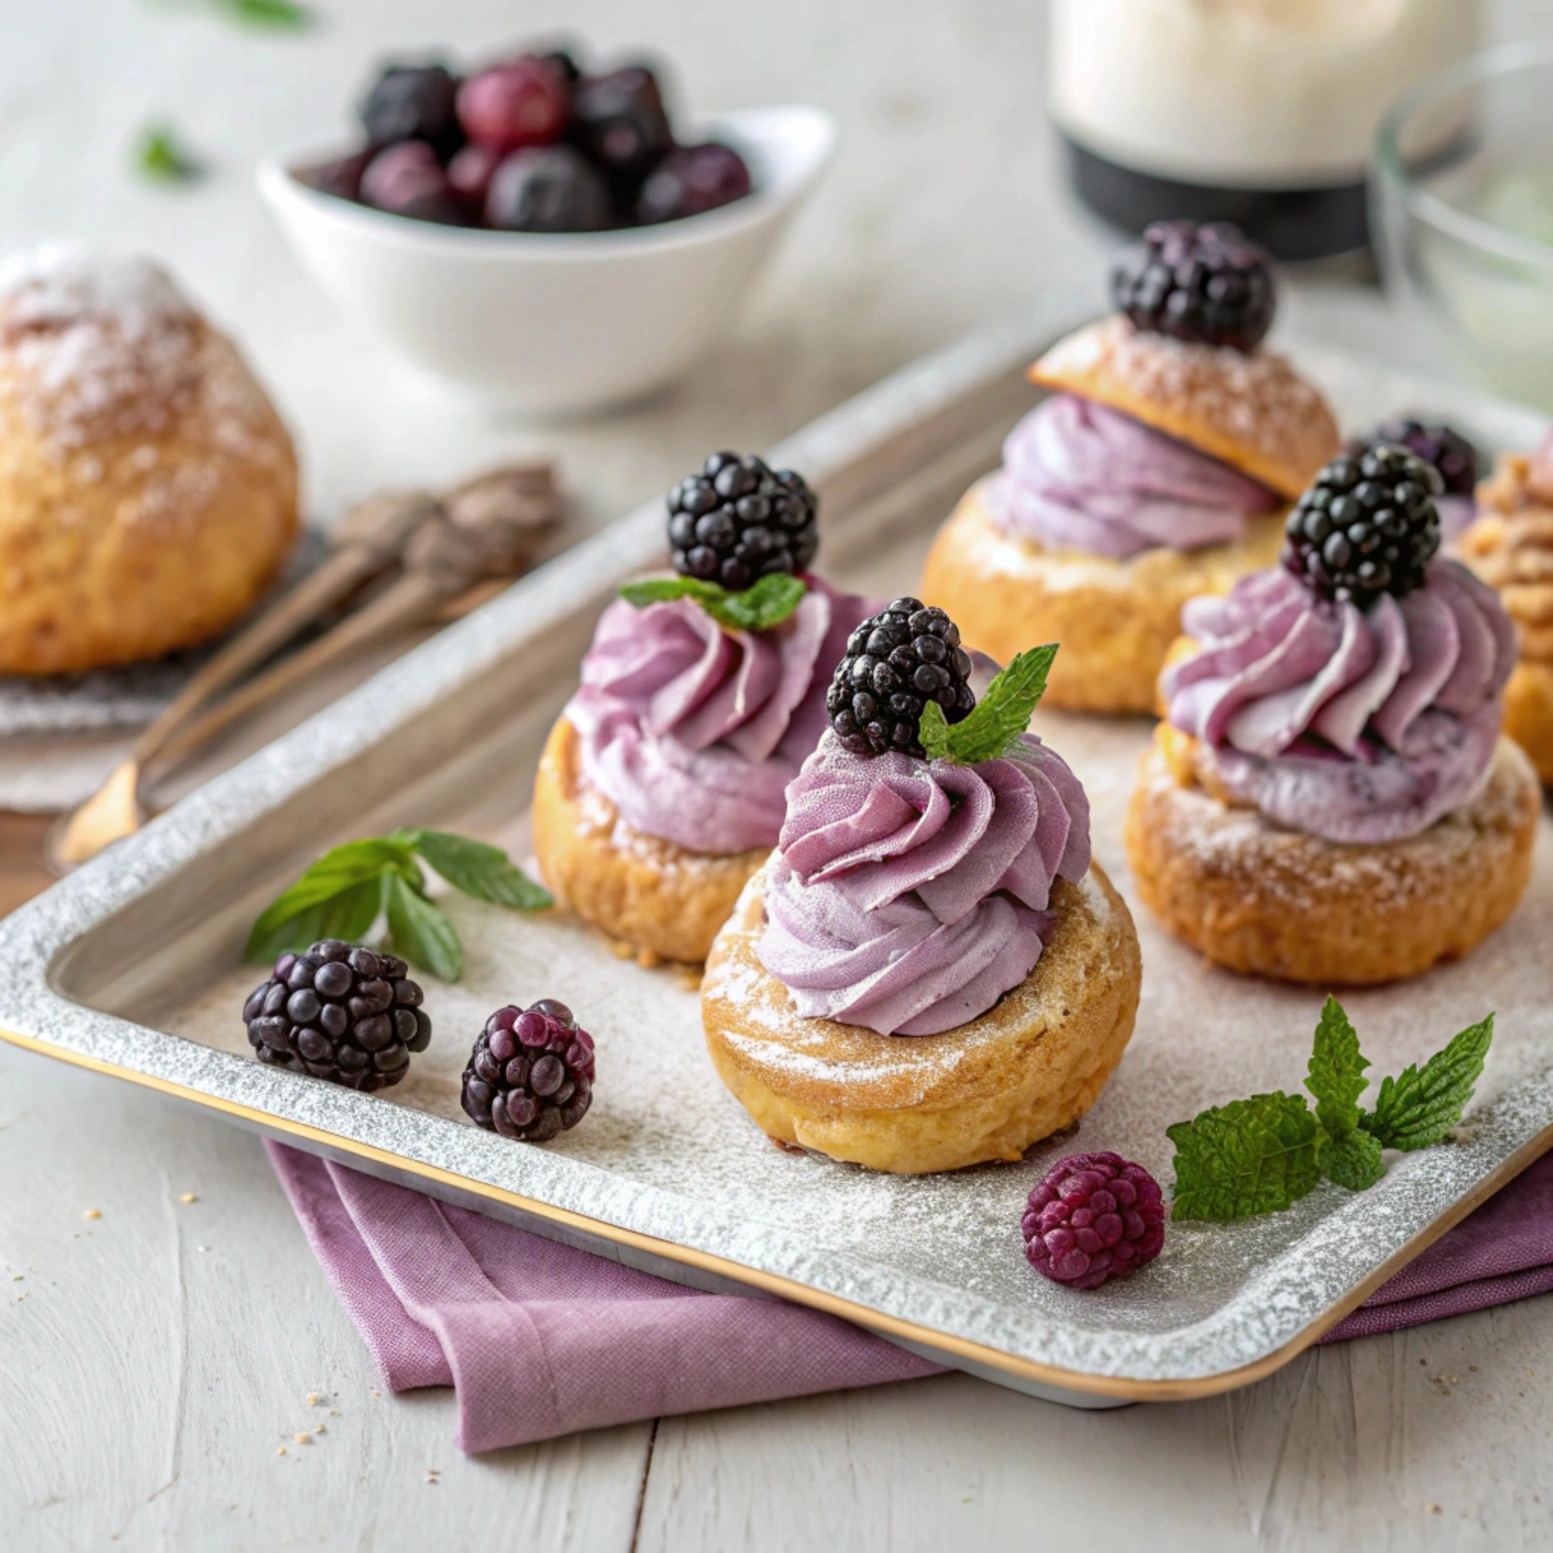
[[92, 1213], [321, 1429], [302, 1437], [17, 1277], [620, 950], [188, 1197], [280, 1450], [1433, 1509], [202, 1248], [377, 1393], [1472, 1369], [334, 1412], [313, 1399]]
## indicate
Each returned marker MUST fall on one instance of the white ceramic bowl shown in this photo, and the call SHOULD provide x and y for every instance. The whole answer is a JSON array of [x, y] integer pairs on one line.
[[554, 323]]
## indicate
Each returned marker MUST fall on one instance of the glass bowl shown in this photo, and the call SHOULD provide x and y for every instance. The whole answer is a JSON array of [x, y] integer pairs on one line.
[[1462, 198]]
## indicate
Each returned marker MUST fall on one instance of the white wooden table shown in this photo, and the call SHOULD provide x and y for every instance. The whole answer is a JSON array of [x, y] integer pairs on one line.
[[154, 1359]]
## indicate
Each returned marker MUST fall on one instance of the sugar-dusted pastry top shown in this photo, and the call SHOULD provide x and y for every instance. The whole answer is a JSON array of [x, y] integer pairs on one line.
[[907, 896], [1349, 724], [1250, 410], [1080, 476], [692, 731]]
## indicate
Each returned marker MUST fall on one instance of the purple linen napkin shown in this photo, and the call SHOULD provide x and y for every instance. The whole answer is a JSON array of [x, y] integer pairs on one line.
[[540, 1339]]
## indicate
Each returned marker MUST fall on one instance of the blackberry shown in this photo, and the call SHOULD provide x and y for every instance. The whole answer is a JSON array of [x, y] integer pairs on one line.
[[548, 189], [620, 122], [1367, 526], [895, 663], [1206, 284], [339, 1012], [1454, 458], [530, 1074], [1092, 1218], [413, 102], [738, 521]]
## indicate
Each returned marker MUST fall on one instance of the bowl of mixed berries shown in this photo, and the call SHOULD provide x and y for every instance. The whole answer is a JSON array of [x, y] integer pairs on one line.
[[546, 235]]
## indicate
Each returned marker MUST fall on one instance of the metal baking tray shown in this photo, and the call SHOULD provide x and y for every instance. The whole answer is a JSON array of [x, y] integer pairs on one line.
[[131, 967]]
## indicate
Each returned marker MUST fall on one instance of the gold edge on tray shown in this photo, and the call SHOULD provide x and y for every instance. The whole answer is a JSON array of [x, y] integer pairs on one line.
[[1114, 1386]]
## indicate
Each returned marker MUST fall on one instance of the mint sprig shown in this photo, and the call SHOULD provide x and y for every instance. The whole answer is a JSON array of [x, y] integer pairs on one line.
[[159, 155], [994, 724], [759, 607], [350, 887], [1262, 1155]]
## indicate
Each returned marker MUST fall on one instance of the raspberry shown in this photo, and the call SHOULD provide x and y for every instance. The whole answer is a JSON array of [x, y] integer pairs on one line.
[[1454, 458], [1367, 526], [339, 1012], [1200, 283], [895, 663], [738, 521], [548, 189], [413, 102], [1093, 1217], [523, 103], [530, 1073], [692, 180]]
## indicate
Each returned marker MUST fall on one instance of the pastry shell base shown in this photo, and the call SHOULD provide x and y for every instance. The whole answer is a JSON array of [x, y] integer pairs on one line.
[[1030, 1066], [645, 891], [1272, 902]]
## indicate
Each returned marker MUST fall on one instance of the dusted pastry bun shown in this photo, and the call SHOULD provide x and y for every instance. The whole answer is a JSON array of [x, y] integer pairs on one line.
[[1251, 411], [642, 890], [1273, 902], [148, 490], [1030, 1066], [1116, 620]]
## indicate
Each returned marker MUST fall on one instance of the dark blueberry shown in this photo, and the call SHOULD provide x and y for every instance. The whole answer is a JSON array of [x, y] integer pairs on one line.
[[530, 1072], [1367, 526], [1206, 284], [408, 180], [341, 178], [738, 521], [619, 120], [548, 189], [691, 180], [413, 102]]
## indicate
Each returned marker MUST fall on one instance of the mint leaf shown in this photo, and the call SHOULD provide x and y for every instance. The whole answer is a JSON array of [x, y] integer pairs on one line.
[[420, 931], [765, 604], [158, 155], [268, 13], [1248, 1157], [995, 723], [348, 913], [1353, 1161], [1336, 1073], [1418, 1107], [289, 919], [479, 869]]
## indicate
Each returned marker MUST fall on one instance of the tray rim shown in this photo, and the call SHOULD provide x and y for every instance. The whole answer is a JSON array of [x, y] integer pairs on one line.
[[42, 932]]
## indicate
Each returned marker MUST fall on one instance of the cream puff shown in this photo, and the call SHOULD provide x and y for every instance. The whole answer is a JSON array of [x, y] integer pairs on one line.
[[148, 490], [931, 971], [1155, 471], [1510, 547], [1329, 798], [660, 791]]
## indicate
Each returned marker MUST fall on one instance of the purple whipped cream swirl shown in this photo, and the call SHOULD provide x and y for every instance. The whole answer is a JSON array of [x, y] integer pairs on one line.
[[1079, 476], [908, 896], [693, 732], [1350, 725]]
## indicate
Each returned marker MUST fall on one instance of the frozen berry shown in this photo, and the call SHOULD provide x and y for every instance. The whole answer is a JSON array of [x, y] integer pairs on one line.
[[1092, 1218], [340, 1012], [895, 663], [523, 103], [737, 521], [565, 62], [1200, 283], [1367, 526], [1454, 458], [530, 1073], [691, 180], [341, 178], [470, 173], [619, 120], [548, 189], [413, 102], [408, 180]]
